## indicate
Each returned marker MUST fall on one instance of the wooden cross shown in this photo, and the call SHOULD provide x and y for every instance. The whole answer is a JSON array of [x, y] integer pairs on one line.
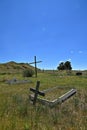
[[36, 91], [35, 62]]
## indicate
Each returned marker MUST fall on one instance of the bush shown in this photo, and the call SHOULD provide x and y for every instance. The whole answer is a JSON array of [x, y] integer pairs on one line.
[[28, 73], [78, 73]]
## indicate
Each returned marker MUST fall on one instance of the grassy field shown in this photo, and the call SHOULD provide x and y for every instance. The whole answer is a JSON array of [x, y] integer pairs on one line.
[[17, 112]]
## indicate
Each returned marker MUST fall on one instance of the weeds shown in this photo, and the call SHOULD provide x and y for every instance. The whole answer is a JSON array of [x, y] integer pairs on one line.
[[17, 113]]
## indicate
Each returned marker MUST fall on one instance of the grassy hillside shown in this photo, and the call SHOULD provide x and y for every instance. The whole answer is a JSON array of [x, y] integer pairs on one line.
[[13, 67]]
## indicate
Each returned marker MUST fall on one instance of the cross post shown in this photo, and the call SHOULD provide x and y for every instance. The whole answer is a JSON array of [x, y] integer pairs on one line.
[[35, 66], [36, 91], [35, 62]]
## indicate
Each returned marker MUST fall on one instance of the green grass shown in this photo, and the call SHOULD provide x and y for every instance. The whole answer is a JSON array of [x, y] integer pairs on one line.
[[17, 113]]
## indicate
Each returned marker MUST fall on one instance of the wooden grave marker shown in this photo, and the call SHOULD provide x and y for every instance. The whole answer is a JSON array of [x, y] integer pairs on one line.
[[35, 62], [37, 92]]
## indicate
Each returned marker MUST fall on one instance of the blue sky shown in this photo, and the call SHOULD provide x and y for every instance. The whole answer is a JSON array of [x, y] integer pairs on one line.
[[52, 30]]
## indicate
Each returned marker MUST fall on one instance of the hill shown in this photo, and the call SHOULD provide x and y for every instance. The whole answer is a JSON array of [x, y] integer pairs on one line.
[[13, 67]]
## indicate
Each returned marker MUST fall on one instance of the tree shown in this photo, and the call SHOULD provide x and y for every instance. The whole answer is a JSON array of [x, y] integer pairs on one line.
[[68, 65], [64, 66], [61, 66]]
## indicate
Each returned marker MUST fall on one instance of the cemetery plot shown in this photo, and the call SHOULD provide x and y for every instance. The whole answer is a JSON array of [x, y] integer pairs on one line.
[[16, 81], [53, 95]]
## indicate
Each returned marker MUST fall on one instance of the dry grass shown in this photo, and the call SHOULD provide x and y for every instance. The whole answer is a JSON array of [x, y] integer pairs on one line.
[[17, 113]]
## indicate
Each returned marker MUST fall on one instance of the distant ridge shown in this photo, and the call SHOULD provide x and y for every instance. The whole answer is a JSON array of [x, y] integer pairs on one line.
[[14, 67]]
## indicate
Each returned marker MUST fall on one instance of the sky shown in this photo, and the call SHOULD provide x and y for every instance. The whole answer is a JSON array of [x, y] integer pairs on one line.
[[54, 31]]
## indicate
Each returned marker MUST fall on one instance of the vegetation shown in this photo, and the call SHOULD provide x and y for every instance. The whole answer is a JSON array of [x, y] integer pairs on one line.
[[28, 73], [17, 112], [64, 66]]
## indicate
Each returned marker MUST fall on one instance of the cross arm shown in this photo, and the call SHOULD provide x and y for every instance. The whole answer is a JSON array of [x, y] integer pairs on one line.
[[35, 62], [39, 92]]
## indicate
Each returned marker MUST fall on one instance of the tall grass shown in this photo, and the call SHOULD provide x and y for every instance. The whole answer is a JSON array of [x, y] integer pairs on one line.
[[18, 113]]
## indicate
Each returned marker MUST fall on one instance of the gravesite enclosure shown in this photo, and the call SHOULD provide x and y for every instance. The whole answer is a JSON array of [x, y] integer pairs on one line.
[[46, 102], [18, 113]]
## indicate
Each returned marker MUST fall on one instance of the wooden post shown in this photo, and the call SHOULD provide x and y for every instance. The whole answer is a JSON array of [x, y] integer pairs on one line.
[[35, 66]]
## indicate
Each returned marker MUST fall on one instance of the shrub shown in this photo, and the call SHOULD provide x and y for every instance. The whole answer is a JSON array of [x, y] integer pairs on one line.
[[28, 73], [78, 73]]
